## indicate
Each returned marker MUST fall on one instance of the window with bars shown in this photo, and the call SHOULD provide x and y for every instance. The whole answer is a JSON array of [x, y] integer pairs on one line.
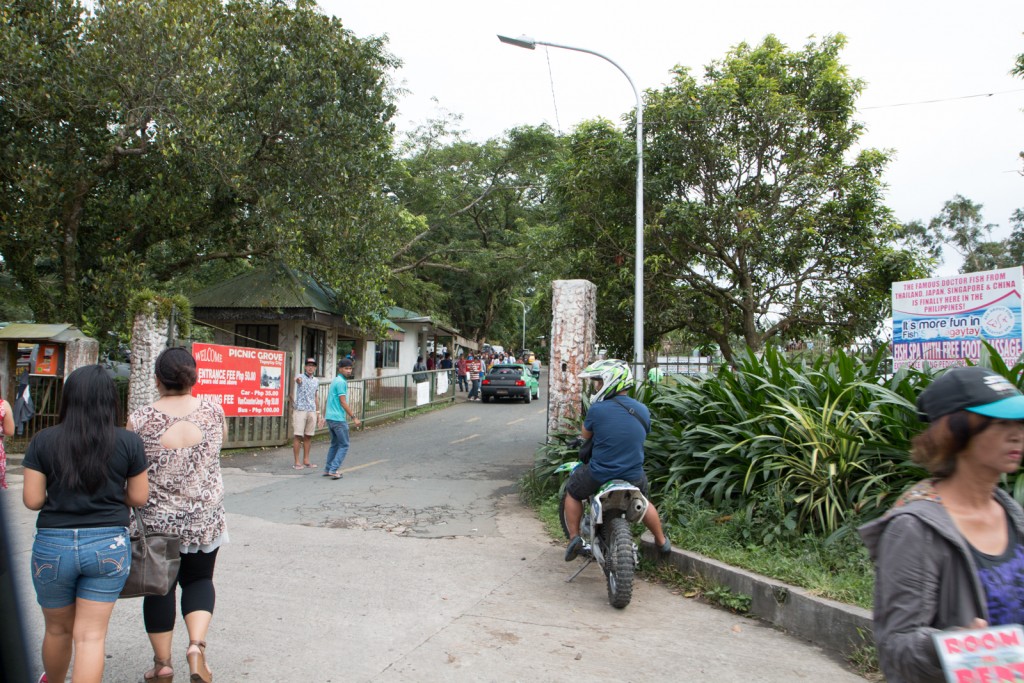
[[387, 354], [314, 345], [256, 336]]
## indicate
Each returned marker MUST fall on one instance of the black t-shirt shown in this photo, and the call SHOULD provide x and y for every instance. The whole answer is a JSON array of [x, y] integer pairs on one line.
[[65, 509]]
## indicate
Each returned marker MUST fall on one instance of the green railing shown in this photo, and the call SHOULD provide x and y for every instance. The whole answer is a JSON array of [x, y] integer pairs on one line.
[[373, 399], [379, 398]]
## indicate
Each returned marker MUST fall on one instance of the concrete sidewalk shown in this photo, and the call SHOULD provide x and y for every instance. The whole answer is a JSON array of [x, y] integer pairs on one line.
[[426, 567]]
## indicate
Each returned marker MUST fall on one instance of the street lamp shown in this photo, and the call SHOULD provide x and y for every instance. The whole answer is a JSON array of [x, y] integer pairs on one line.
[[638, 291], [523, 347]]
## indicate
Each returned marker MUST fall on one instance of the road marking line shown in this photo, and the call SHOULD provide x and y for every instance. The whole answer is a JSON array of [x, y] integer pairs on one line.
[[363, 466], [473, 419], [471, 436], [516, 421]]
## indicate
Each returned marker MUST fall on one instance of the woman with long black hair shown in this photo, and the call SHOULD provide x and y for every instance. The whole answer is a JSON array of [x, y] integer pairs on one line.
[[183, 436], [82, 475]]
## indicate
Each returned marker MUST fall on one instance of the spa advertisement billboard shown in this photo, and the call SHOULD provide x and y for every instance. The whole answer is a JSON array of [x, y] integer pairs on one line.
[[941, 321]]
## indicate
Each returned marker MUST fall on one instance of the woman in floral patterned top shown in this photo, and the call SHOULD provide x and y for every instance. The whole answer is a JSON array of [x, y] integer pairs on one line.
[[183, 437], [7, 418]]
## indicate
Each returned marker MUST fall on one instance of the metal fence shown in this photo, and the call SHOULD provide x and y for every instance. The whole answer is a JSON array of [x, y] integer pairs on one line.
[[374, 399], [378, 398], [687, 365], [46, 394]]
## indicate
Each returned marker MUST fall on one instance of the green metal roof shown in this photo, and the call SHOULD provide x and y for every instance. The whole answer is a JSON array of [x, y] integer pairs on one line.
[[41, 332], [399, 313], [274, 286], [271, 286]]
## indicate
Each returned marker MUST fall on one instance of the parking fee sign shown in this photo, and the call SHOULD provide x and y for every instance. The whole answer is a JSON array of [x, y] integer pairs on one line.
[[245, 382]]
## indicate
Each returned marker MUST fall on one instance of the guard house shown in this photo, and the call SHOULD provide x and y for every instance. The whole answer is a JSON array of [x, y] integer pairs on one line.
[[37, 358], [426, 335], [277, 307]]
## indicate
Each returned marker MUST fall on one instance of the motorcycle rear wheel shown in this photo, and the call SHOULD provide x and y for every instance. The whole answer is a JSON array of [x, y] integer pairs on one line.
[[619, 563], [561, 514]]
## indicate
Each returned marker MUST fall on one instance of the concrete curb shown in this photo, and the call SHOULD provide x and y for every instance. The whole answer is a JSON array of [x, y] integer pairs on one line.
[[833, 625]]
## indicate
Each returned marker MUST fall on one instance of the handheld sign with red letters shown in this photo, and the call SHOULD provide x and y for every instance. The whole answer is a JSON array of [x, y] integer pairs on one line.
[[985, 655]]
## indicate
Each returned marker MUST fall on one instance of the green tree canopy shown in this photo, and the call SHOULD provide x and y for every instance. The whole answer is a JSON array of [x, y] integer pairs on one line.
[[146, 141], [762, 221], [479, 204], [961, 226]]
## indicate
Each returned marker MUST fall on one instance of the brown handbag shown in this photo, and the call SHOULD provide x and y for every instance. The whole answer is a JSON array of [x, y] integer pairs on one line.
[[155, 562]]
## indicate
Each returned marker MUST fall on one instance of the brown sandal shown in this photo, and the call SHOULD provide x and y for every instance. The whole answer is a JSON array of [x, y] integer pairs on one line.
[[159, 664], [197, 662]]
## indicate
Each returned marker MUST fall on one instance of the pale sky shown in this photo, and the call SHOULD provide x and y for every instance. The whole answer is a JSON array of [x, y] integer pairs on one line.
[[907, 51]]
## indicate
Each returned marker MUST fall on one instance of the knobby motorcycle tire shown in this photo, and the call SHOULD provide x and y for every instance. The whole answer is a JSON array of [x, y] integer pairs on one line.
[[619, 565], [561, 512]]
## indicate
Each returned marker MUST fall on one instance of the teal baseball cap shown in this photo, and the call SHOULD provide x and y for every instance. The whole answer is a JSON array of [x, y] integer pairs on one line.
[[975, 389]]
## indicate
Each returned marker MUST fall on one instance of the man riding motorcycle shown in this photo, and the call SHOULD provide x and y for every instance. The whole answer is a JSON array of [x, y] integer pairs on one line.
[[618, 425]]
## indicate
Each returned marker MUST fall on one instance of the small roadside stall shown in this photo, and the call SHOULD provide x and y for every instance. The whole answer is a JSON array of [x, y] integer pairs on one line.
[[34, 361]]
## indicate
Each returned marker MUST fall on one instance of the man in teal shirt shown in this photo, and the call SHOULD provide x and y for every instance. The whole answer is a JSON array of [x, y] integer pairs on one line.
[[337, 409]]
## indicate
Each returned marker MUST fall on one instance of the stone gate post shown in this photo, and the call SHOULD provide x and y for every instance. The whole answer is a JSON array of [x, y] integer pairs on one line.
[[150, 332], [573, 334]]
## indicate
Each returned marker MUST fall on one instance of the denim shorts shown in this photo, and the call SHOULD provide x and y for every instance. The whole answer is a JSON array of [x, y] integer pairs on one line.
[[90, 563]]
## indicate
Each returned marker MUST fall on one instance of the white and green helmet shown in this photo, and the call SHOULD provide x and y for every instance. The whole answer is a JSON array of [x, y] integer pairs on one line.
[[614, 374]]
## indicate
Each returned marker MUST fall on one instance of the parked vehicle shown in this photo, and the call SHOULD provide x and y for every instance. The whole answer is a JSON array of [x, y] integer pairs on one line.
[[607, 539], [509, 380]]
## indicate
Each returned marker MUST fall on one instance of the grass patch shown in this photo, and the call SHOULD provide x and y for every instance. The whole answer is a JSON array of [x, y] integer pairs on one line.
[[838, 568], [547, 511], [694, 587]]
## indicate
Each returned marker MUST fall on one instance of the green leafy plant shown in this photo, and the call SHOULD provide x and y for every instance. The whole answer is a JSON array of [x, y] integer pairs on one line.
[[827, 439], [724, 596]]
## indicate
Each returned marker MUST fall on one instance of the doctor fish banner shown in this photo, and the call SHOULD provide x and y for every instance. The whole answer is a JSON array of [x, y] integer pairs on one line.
[[942, 321]]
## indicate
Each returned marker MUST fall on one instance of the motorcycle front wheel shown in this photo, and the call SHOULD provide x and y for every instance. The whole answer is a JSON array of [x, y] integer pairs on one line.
[[619, 563]]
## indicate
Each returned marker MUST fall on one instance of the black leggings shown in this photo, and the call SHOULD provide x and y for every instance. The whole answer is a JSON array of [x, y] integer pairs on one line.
[[197, 593]]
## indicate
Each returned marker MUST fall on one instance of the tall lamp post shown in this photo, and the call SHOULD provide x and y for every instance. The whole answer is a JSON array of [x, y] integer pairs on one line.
[[523, 347], [638, 291]]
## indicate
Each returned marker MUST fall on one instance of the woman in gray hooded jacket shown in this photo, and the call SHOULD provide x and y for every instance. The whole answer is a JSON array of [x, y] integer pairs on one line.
[[950, 553]]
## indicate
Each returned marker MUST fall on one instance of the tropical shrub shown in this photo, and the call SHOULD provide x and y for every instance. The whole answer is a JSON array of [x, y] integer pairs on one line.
[[800, 446]]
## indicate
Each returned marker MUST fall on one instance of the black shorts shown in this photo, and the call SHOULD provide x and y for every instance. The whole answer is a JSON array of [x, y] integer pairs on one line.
[[582, 484]]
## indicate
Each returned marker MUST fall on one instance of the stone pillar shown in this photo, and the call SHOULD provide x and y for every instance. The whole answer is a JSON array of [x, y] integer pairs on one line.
[[149, 339], [573, 334], [79, 353]]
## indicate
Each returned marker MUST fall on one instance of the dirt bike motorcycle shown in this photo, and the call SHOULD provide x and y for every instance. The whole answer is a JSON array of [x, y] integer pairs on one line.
[[605, 530]]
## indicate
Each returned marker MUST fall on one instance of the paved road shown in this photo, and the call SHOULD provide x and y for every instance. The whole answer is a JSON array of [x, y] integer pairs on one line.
[[422, 565]]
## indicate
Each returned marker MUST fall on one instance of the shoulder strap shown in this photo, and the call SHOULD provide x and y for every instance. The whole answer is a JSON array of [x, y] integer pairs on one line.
[[646, 426]]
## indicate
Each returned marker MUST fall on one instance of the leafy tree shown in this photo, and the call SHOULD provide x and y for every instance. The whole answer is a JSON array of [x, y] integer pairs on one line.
[[478, 203], [594, 189], [960, 225], [1015, 243], [146, 141], [759, 224]]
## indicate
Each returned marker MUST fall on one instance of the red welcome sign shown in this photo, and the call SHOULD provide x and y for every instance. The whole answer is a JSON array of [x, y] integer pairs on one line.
[[245, 382]]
